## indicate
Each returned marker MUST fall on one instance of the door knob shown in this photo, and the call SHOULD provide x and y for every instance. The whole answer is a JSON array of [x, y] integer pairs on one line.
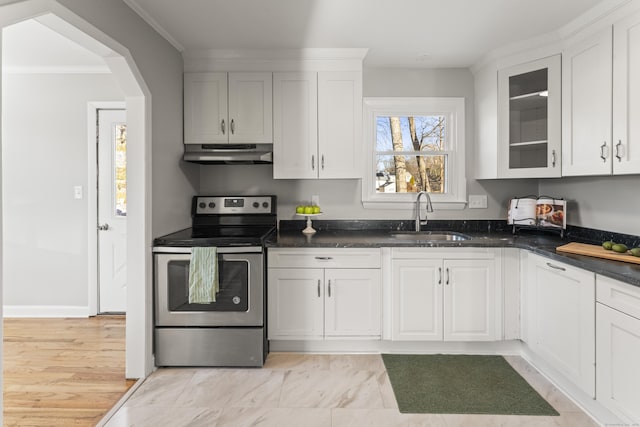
[[103, 227]]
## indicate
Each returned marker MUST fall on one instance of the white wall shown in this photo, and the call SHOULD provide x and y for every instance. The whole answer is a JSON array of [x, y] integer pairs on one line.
[[341, 199], [44, 156]]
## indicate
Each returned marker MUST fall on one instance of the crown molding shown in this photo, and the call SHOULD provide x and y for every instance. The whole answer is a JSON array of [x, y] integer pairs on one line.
[[133, 4]]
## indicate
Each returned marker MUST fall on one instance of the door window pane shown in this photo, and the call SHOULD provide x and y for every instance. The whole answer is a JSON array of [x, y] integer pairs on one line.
[[120, 165]]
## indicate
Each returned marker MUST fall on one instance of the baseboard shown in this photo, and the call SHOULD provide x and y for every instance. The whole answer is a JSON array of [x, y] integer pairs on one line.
[[45, 311]]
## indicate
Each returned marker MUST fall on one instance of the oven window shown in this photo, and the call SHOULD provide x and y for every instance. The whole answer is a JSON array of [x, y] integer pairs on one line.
[[234, 287]]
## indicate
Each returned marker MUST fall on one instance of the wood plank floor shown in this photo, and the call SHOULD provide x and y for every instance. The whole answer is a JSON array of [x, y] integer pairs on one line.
[[63, 372]]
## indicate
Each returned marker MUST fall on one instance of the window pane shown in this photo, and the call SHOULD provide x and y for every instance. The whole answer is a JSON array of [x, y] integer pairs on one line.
[[411, 173], [410, 133], [120, 165]]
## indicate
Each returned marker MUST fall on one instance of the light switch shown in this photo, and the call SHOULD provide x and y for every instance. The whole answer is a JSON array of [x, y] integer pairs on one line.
[[478, 201], [77, 192]]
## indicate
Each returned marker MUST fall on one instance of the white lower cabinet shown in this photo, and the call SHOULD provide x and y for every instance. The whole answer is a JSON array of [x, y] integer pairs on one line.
[[560, 310], [323, 303], [618, 348], [436, 298]]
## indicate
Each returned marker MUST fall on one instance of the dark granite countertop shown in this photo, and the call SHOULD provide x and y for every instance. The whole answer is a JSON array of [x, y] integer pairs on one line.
[[484, 234]]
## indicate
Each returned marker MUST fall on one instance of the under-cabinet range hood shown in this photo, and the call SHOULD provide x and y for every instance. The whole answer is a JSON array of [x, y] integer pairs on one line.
[[229, 153]]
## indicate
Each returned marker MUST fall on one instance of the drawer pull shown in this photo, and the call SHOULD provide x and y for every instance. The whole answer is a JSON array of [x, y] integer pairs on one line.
[[324, 258], [603, 155], [557, 267], [318, 288], [329, 288]]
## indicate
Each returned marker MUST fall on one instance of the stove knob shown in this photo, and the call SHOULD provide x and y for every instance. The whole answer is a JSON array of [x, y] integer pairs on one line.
[[265, 204], [202, 205], [212, 205], [256, 204]]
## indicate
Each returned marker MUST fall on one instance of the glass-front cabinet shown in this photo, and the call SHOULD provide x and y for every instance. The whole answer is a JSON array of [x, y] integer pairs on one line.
[[529, 126]]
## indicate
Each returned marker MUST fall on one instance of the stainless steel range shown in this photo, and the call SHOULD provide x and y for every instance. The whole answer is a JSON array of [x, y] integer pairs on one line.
[[231, 330]]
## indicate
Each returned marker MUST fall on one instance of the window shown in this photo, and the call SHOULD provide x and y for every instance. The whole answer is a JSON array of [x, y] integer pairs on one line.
[[412, 145]]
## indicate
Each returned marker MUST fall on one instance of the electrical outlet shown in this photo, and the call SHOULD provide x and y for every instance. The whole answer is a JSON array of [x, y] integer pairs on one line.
[[478, 201], [77, 192], [315, 200]]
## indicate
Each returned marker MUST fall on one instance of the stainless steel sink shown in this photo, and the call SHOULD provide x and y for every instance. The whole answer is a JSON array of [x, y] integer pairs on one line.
[[431, 236]]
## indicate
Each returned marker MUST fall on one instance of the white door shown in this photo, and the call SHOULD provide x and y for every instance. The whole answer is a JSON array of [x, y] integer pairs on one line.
[[417, 299], [295, 303], [469, 300], [112, 211], [352, 302]]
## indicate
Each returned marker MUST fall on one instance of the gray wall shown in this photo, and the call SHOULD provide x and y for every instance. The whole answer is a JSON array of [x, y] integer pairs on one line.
[[606, 203], [44, 151], [161, 66], [341, 199]]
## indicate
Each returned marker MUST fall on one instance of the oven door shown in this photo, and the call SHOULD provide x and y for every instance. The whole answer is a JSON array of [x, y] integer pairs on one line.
[[240, 301]]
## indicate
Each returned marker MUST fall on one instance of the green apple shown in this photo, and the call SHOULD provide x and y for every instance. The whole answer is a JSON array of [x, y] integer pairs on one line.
[[300, 209], [308, 210], [316, 209]]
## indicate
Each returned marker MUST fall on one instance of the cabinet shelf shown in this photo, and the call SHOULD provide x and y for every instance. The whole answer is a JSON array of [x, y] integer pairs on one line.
[[520, 144], [528, 101]]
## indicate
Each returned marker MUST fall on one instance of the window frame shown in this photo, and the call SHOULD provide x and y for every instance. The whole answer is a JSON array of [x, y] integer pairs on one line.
[[454, 109]]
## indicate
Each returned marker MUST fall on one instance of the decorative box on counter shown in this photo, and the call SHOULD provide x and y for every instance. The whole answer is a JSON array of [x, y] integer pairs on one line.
[[542, 212]]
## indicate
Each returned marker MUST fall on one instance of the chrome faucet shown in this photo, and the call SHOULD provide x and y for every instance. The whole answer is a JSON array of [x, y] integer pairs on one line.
[[419, 221]]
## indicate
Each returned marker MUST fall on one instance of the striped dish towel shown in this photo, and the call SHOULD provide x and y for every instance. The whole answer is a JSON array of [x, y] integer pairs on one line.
[[203, 275]]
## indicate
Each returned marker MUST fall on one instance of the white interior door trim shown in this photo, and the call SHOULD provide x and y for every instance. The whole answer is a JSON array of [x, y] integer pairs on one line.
[[92, 197]]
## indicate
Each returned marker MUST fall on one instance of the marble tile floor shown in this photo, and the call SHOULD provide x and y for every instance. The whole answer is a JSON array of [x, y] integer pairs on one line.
[[308, 390]]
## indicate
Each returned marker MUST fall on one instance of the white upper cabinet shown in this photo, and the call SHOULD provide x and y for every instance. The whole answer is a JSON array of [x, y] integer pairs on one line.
[[295, 125], [317, 125], [233, 108], [626, 95], [529, 119], [586, 106], [339, 124]]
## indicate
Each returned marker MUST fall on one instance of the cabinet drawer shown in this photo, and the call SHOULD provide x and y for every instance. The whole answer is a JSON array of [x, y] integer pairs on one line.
[[618, 295], [323, 258]]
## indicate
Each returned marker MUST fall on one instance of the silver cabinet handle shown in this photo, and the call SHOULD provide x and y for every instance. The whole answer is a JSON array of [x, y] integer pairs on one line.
[[553, 158], [223, 127], [439, 275], [324, 258], [318, 288], [329, 288], [602, 154], [313, 162], [447, 282], [322, 162], [233, 127], [557, 267], [618, 146], [103, 227]]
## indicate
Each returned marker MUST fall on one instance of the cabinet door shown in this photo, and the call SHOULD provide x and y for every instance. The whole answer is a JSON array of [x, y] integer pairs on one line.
[[626, 95], [295, 303], [586, 106], [295, 125], [250, 108], [562, 331], [205, 108], [352, 303], [417, 299], [339, 124], [529, 123], [469, 300], [618, 353]]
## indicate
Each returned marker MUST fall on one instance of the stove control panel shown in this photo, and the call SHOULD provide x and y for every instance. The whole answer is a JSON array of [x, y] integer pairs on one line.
[[225, 205]]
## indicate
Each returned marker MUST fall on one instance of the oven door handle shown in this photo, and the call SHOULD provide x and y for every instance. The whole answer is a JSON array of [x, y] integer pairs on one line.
[[221, 250]]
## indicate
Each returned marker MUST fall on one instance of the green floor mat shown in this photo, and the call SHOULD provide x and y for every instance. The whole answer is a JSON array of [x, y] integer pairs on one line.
[[461, 384]]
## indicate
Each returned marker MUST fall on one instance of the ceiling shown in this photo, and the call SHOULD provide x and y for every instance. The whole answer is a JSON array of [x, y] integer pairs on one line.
[[397, 34]]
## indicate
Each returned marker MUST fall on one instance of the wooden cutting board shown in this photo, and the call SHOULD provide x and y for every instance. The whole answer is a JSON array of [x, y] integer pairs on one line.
[[596, 251]]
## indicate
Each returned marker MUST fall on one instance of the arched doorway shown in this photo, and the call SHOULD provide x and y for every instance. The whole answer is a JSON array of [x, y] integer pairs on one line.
[[137, 98]]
